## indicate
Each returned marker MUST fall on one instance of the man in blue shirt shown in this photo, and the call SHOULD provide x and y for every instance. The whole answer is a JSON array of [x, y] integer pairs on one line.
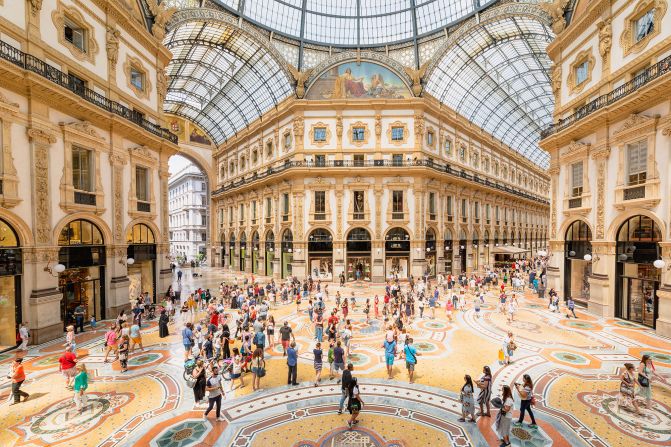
[[410, 358], [389, 353], [292, 363], [187, 340]]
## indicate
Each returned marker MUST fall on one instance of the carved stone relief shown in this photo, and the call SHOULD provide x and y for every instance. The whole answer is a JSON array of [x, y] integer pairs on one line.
[[41, 141]]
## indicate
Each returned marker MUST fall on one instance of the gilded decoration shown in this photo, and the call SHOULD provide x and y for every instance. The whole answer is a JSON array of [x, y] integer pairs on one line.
[[327, 134], [300, 77], [605, 42], [366, 134], [601, 199], [41, 141], [581, 58], [161, 17], [59, 15], [161, 85], [556, 11], [135, 63], [397, 124], [416, 76], [628, 38], [35, 6]]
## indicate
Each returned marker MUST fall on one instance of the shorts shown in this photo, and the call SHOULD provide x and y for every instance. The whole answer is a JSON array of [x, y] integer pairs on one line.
[[389, 359], [137, 340], [255, 370], [70, 373], [235, 376], [338, 366], [187, 347], [410, 366]]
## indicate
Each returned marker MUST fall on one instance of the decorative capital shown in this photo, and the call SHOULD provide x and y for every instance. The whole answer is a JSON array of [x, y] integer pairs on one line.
[[601, 153], [35, 6], [41, 136]]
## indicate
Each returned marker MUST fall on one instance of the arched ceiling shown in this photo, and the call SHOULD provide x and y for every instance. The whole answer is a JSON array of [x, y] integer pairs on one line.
[[221, 78], [497, 76]]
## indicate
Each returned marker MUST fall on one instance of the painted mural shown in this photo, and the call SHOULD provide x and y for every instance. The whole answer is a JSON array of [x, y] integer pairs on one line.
[[358, 80]]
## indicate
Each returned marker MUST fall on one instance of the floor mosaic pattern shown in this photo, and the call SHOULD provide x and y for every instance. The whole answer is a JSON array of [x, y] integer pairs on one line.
[[575, 364]]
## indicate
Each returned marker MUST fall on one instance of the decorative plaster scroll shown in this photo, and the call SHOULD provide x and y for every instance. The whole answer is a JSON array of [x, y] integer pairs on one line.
[[556, 11], [41, 141], [605, 42], [339, 215], [601, 199], [117, 194]]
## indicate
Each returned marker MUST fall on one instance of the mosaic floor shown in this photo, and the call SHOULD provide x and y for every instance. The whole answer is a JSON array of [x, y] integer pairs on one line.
[[575, 364]]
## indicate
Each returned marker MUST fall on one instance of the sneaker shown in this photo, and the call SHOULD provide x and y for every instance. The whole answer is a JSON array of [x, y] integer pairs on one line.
[[221, 419], [339, 411], [533, 426], [517, 424], [349, 424]]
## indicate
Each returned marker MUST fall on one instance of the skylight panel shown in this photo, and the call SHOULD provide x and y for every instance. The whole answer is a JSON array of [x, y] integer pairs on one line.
[[386, 28], [337, 30], [376, 7], [276, 15], [432, 15], [338, 8]]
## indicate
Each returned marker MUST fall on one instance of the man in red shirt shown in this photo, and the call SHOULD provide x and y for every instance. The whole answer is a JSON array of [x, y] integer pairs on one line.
[[333, 319], [18, 377], [68, 362]]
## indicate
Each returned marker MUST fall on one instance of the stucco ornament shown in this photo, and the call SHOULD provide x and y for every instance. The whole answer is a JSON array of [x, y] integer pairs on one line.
[[35, 6], [416, 76], [300, 77], [556, 11], [112, 46], [605, 39], [161, 17]]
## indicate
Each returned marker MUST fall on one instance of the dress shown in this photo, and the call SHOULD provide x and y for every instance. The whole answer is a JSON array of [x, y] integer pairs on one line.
[[467, 400], [199, 387], [318, 359], [646, 391], [163, 325], [486, 392]]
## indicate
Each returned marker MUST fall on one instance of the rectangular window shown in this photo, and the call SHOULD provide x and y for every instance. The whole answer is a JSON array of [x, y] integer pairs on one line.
[[448, 147], [285, 207], [464, 210], [142, 183], [488, 213], [269, 209], [429, 138], [397, 205], [242, 213], [397, 134], [230, 215], [476, 209], [320, 205], [498, 215], [645, 25], [82, 169], [320, 134], [287, 141], [74, 34], [432, 206], [359, 211], [320, 160], [203, 237], [254, 211], [397, 160], [637, 163], [576, 179], [358, 160], [137, 78], [450, 209], [358, 133], [581, 73]]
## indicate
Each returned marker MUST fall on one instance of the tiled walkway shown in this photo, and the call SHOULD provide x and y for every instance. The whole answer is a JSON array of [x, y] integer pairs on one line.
[[575, 364]]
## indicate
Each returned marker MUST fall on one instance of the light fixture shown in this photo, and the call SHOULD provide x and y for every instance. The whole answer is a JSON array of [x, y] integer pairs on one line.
[[587, 257], [462, 247], [127, 262], [57, 268], [270, 249], [622, 257], [428, 249], [660, 264], [289, 250], [572, 253]]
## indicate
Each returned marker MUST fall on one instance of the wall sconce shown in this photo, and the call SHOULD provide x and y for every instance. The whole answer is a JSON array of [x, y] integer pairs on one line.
[[589, 258], [289, 250], [270, 249], [127, 262], [428, 249], [339, 250], [660, 264], [57, 268], [462, 247]]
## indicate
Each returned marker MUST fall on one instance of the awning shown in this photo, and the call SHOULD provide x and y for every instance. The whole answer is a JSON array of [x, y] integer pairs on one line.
[[508, 250]]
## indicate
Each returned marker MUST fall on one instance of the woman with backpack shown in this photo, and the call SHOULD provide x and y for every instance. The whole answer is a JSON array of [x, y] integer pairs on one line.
[[505, 417], [355, 403]]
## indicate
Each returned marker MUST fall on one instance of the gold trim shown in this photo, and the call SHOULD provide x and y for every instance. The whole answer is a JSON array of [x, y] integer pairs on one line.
[[327, 139], [581, 58], [366, 134], [133, 62], [58, 17], [627, 37], [405, 133]]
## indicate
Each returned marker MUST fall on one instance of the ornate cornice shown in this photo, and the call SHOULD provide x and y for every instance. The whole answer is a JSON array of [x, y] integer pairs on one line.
[[574, 151], [41, 136]]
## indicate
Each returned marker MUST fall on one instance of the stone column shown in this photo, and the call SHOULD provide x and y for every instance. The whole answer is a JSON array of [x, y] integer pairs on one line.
[[163, 249], [663, 326], [602, 280], [43, 312], [117, 297]]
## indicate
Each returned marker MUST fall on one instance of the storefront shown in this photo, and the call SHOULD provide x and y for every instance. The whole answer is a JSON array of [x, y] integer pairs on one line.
[[255, 252], [462, 251], [270, 252], [82, 282], [11, 268], [475, 243], [243, 252], [231, 252], [287, 253], [397, 254], [577, 244], [359, 246], [223, 250], [430, 249], [142, 270], [449, 252], [637, 279], [320, 255]]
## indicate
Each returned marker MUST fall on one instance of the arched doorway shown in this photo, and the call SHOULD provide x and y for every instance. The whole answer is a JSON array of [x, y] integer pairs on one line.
[[82, 252], [287, 253], [462, 251], [270, 252], [255, 252], [397, 253], [142, 273], [448, 251], [475, 242], [320, 254], [359, 255], [11, 269], [577, 244], [430, 248], [223, 249], [231, 252], [637, 280], [243, 252]]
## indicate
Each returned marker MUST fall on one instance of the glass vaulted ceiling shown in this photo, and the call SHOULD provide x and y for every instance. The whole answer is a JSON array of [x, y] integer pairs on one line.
[[220, 78], [355, 23], [497, 76]]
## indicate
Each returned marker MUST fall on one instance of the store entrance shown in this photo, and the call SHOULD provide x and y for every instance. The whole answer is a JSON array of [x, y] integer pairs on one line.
[[397, 254], [358, 266], [11, 268], [320, 255]]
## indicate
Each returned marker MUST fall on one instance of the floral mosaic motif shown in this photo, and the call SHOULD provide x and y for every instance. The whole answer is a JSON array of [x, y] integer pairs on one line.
[[358, 359], [527, 437], [61, 421], [358, 437], [143, 359], [526, 326], [434, 325], [580, 324], [570, 357], [653, 427], [424, 346], [183, 434]]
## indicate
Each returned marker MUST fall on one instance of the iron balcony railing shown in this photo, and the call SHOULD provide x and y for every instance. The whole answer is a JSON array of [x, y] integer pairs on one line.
[[648, 75], [439, 167], [35, 65]]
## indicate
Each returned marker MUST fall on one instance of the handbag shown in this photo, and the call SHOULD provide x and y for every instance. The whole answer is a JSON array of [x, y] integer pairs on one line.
[[643, 381], [261, 372]]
